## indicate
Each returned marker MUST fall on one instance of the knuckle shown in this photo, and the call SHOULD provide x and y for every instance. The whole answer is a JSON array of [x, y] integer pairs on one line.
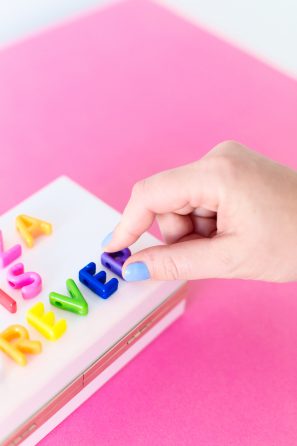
[[131, 233], [163, 267], [136, 188], [227, 147], [226, 165], [139, 189], [170, 269]]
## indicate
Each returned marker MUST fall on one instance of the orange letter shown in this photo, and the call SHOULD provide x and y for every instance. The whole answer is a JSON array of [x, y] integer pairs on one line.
[[15, 341], [30, 228]]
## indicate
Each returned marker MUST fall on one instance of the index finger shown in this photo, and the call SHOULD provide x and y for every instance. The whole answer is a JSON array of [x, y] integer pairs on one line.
[[178, 190]]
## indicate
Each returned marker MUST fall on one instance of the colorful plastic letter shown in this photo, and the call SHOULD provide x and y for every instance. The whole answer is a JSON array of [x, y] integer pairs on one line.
[[97, 282], [30, 283], [115, 260], [15, 342], [8, 302], [30, 228], [9, 256], [75, 303], [45, 323]]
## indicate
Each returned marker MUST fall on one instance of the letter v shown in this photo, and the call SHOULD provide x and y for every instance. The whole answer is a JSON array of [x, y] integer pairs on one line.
[[76, 303]]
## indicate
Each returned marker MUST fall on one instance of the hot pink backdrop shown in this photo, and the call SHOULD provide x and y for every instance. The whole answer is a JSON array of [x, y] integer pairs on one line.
[[116, 96]]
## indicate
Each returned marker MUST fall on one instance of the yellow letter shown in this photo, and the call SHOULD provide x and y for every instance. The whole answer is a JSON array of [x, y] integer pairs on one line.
[[30, 228], [22, 343], [45, 322]]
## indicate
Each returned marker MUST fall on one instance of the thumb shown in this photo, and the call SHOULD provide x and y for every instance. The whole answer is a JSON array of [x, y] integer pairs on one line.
[[192, 259]]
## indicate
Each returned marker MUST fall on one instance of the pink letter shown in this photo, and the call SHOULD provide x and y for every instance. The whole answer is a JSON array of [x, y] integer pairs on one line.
[[30, 283], [7, 257]]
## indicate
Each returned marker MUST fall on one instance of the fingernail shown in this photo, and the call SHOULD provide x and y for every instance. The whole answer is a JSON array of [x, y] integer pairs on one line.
[[107, 240], [136, 271]]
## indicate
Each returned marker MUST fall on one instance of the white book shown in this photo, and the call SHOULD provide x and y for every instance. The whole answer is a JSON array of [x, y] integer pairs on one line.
[[36, 397]]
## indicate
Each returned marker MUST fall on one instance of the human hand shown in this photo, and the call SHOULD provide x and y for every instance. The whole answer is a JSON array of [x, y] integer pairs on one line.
[[232, 214]]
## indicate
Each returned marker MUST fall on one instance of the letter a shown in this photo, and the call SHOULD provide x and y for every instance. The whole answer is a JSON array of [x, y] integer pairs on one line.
[[31, 228]]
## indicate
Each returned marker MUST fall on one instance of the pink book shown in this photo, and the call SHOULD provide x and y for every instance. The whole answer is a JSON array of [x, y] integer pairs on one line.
[[113, 97]]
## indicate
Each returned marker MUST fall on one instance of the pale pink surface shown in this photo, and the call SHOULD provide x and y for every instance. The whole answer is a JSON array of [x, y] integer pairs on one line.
[[112, 98]]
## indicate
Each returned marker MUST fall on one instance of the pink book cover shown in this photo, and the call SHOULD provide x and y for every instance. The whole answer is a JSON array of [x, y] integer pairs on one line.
[[115, 96]]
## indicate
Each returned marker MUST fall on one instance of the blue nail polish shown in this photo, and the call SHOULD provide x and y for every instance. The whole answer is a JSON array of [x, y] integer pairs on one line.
[[136, 271], [107, 240]]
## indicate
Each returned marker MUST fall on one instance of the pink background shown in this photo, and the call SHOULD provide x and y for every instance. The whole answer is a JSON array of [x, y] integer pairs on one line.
[[116, 96]]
